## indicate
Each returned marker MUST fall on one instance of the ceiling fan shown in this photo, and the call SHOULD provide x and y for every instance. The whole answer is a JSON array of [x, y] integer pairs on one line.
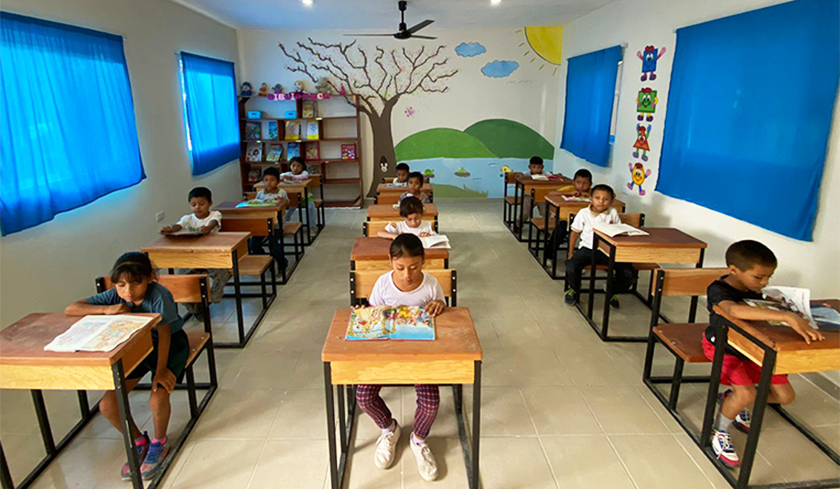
[[403, 33]]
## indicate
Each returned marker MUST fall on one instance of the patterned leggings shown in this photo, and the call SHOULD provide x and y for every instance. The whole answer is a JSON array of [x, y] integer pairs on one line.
[[428, 403]]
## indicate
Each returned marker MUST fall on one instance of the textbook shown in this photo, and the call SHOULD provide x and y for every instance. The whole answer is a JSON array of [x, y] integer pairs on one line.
[[439, 241], [97, 333], [390, 323], [620, 229]]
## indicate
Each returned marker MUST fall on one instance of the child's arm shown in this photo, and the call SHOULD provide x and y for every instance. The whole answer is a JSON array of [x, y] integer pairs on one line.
[[213, 224], [386, 235], [82, 308], [171, 229], [749, 313], [438, 304], [163, 376]]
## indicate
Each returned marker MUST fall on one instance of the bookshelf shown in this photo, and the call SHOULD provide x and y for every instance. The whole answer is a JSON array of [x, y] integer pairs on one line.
[[338, 124]]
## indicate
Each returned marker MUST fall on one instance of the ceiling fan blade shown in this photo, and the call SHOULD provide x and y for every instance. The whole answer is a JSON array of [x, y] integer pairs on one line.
[[419, 26], [369, 35], [422, 37]]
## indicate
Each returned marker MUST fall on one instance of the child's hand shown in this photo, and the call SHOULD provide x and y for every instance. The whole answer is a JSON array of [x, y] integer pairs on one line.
[[424, 234], [166, 229], [803, 327], [205, 229], [435, 307], [120, 308], [165, 379]]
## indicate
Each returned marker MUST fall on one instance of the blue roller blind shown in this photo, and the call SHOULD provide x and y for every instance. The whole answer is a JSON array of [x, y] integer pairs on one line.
[[68, 132], [590, 90], [749, 114], [210, 99]]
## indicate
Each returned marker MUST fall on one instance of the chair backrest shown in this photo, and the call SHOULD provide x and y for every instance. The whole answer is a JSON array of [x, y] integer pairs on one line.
[[257, 226], [684, 282], [510, 177], [371, 228], [362, 282], [635, 219], [184, 288]]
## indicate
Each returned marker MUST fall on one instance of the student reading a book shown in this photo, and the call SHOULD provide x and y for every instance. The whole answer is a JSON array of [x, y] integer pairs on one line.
[[405, 285], [135, 290], [415, 188], [751, 264], [298, 167], [402, 175], [600, 210], [204, 221], [271, 192], [411, 209]]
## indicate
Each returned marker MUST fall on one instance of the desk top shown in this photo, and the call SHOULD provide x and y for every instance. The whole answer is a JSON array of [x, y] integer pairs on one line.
[[213, 242], [379, 249], [231, 208], [657, 238], [306, 182], [527, 180], [556, 198], [385, 188], [456, 339], [387, 210], [23, 342]]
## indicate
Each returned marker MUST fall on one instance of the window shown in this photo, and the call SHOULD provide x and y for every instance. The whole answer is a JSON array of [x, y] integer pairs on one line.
[[68, 132], [614, 120], [209, 91], [749, 114], [590, 96]]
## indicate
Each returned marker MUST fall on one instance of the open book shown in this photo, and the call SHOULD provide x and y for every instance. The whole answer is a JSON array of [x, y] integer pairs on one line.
[[257, 203], [574, 198], [439, 241], [541, 178], [390, 323], [97, 333], [189, 232], [620, 229], [794, 299]]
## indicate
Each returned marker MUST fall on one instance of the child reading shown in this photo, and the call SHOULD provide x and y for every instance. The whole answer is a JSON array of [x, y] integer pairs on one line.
[[271, 192], [415, 186], [600, 210], [298, 167], [402, 175], [751, 264], [412, 210], [204, 221], [405, 285], [135, 290]]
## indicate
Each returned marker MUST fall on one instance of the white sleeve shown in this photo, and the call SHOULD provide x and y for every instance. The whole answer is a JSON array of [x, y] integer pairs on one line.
[[185, 221], [614, 218], [578, 223], [390, 228], [215, 216], [282, 195], [438, 293], [376, 296]]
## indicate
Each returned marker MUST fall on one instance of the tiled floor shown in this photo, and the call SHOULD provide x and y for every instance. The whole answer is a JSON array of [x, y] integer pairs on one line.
[[560, 409]]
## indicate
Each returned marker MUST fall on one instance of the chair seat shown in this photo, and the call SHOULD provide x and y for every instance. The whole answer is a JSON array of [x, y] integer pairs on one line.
[[251, 265], [197, 341], [539, 222], [684, 339], [318, 202], [291, 228], [513, 200]]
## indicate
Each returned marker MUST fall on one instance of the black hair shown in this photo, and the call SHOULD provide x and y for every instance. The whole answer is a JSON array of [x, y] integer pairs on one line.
[[200, 192], [583, 173], [604, 188], [417, 174], [272, 171], [407, 245], [297, 159], [134, 266], [536, 160], [403, 166], [411, 205], [748, 253]]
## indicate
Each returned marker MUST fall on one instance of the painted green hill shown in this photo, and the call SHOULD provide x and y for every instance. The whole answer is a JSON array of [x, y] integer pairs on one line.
[[510, 139], [441, 143]]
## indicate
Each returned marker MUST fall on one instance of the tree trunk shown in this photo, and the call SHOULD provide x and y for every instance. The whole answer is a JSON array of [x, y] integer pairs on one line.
[[384, 159]]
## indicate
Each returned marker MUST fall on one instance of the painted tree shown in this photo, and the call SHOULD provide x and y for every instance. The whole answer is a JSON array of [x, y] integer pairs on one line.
[[379, 79]]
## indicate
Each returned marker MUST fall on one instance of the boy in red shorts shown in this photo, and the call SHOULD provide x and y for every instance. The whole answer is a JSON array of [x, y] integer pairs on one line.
[[751, 264]]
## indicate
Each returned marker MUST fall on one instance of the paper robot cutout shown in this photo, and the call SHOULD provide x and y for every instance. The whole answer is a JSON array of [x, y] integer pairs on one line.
[[638, 174], [641, 144], [649, 59], [646, 104]]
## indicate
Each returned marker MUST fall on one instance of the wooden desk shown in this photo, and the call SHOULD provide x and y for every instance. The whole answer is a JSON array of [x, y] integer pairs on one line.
[[302, 187], [374, 254], [230, 210], [25, 365], [524, 184], [454, 357], [387, 212]]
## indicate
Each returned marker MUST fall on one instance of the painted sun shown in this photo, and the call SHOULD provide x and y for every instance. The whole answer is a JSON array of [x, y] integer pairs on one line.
[[544, 44]]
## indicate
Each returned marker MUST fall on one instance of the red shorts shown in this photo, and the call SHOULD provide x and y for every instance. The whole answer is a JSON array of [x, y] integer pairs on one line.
[[737, 370]]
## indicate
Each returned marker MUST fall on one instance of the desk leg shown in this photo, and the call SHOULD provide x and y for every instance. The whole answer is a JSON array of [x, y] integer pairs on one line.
[[44, 422], [308, 217], [474, 473], [125, 418], [692, 312], [590, 307], [605, 326], [342, 421], [5, 475], [237, 288], [714, 385], [84, 405], [760, 406], [521, 208], [328, 390]]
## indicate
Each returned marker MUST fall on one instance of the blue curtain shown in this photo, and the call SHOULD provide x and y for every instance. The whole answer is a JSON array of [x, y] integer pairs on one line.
[[212, 115], [68, 132], [749, 114], [590, 90]]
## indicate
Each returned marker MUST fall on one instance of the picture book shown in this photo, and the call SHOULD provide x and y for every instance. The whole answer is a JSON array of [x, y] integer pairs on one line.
[[253, 131], [272, 130], [275, 152], [312, 130], [292, 130], [254, 175], [438, 242], [622, 229], [313, 151], [292, 151], [390, 323], [97, 333], [574, 198], [348, 151], [185, 232], [827, 318], [254, 152], [780, 298], [307, 110], [257, 203]]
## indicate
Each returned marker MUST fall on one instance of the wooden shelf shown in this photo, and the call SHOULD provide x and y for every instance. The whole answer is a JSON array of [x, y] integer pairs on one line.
[[341, 181], [337, 139], [327, 118]]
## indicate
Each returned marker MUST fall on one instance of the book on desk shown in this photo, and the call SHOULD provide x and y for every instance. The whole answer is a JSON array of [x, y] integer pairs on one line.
[[390, 323]]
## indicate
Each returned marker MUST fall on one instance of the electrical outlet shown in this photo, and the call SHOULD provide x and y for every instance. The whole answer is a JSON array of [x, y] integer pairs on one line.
[[160, 216]]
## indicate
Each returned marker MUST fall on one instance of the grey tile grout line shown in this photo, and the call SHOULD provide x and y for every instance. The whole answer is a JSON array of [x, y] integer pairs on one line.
[[256, 464], [539, 438]]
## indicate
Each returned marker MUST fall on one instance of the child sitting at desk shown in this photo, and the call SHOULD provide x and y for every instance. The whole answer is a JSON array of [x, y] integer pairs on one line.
[[535, 167], [298, 167], [271, 192], [405, 285], [751, 264], [600, 210], [204, 221], [402, 175], [415, 186], [412, 210], [583, 183], [135, 290]]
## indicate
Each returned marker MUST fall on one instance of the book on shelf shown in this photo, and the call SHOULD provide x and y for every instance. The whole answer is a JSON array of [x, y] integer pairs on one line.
[[254, 175], [390, 323], [272, 130], [312, 131], [275, 152], [439, 241], [292, 130], [307, 110], [253, 131], [254, 152], [313, 151], [348, 151], [620, 229], [98, 333], [292, 151]]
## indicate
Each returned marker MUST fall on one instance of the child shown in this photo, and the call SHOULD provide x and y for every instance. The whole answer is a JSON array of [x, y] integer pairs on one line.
[[415, 185], [298, 167], [405, 285], [402, 175], [412, 210], [600, 210], [583, 183], [535, 167], [205, 222], [271, 192], [751, 264], [135, 290]]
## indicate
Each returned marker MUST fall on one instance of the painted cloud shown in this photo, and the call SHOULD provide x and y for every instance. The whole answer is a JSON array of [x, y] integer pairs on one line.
[[499, 69], [469, 49]]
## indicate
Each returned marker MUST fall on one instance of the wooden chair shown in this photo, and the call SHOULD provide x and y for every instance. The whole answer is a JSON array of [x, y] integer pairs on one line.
[[683, 340], [188, 289], [371, 229], [509, 204], [362, 282], [394, 198], [544, 225], [293, 229], [258, 265]]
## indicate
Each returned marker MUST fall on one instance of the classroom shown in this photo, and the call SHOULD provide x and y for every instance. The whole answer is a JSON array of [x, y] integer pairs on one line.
[[498, 244]]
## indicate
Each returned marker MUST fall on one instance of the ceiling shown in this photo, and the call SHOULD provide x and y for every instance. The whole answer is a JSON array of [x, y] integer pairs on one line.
[[383, 15]]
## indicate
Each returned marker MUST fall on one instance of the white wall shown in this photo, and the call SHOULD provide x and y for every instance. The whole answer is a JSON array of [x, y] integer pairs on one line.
[[816, 264], [46, 267]]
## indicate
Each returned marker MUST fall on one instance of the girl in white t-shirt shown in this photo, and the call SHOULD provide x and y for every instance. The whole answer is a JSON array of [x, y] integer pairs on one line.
[[411, 209], [405, 285]]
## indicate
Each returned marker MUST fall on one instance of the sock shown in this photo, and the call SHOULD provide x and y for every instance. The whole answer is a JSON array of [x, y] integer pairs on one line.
[[722, 423], [141, 441], [160, 441], [416, 440], [390, 429]]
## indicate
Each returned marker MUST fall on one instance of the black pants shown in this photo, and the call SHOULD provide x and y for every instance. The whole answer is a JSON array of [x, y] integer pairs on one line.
[[624, 275], [257, 245]]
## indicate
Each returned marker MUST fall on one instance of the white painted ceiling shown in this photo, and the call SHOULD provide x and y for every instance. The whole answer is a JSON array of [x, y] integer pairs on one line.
[[383, 15]]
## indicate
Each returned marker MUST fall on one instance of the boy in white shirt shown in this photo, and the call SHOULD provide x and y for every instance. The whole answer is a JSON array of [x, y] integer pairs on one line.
[[536, 165], [402, 175], [600, 210], [411, 208], [270, 193]]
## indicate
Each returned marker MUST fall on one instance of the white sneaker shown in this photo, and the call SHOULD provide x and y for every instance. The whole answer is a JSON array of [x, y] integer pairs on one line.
[[383, 456], [425, 461], [723, 449]]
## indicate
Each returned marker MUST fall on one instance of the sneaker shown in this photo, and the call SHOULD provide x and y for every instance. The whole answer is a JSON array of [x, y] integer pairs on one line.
[[125, 474], [742, 420], [383, 456], [722, 446], [425, 461], [571, 297], [154, 460], [614, 302]]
